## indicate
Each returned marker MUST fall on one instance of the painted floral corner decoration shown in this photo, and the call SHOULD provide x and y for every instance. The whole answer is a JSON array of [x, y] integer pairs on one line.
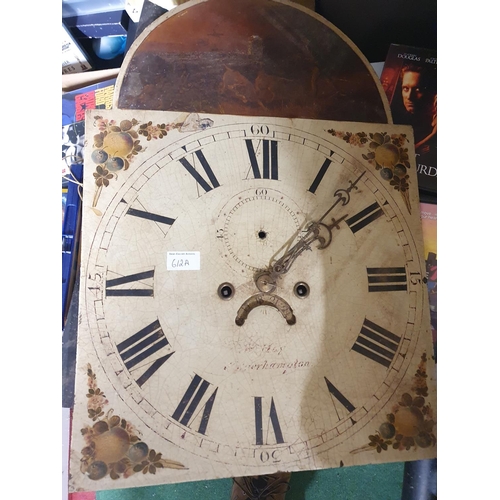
[[112, 445], [117, 144], [411, 423], [388, 155], [114, 148]]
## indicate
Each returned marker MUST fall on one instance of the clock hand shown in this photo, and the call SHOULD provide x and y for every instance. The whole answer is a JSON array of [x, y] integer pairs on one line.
[[316, 230], [343, 195]]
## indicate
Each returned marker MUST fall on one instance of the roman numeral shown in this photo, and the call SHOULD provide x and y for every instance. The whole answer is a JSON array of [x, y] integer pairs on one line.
[[192, 400], [207, 186], [365, 217], [269, 159], [144, 346], [259, 426], [130, 292], [376, 343], [320, 175], [339, 396], [386, 279], [150, 216]]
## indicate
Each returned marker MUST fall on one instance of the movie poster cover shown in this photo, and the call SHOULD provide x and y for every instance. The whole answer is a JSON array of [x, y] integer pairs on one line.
[[74, 103], [409, 78]]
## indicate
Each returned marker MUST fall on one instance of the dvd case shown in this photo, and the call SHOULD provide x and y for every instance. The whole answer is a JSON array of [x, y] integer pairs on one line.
[[428, 215], [409, 78]]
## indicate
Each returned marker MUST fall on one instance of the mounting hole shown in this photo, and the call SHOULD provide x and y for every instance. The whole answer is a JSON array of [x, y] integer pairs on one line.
[[262, 235], [301, 290], [225, 291]]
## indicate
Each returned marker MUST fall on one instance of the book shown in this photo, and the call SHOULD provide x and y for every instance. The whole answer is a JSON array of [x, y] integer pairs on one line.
[[428, 215], [71, 223], [74, 103], [409, 78]]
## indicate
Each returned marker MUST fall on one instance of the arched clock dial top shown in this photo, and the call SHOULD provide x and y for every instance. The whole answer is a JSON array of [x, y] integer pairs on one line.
[[275, 60], [253, 299]]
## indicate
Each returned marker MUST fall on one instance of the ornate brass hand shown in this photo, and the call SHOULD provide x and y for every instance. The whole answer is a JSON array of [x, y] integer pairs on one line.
[[317, 230]]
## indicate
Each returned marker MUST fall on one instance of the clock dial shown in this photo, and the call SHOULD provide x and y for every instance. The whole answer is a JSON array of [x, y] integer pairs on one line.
[[253, 299]]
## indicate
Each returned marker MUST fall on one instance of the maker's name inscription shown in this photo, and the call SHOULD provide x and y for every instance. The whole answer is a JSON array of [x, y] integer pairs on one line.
[[265, 365]]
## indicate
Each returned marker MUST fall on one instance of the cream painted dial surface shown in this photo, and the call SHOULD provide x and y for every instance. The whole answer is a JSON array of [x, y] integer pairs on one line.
[[215, 366]]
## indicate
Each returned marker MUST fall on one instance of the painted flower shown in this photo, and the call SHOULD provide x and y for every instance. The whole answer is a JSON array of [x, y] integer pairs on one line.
[[377, 442], [411, 423], [151, 131], [111, 443], [103, 124], [357, 139], [399, 139], [400, 183], [420, 379], [102, 176], [96, 401], [150, 465]]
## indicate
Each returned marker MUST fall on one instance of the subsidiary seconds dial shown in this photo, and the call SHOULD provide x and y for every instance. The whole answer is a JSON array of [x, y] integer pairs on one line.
[[250, 224]]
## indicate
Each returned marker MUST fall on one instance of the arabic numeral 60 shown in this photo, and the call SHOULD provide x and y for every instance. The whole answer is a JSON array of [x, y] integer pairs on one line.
[[259, 130]]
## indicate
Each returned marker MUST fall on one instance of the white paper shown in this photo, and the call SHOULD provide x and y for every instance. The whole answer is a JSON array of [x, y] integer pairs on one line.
[[183, 261]]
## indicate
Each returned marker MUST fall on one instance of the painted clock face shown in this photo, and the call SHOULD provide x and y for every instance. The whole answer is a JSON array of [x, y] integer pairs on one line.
[[253, 298]]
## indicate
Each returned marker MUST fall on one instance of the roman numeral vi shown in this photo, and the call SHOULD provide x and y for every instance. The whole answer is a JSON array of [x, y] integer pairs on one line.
[[259, 424]]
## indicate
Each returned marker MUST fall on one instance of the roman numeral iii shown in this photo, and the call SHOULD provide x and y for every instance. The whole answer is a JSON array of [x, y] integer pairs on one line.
[[146, 346], [376, 343], [386, 279]]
